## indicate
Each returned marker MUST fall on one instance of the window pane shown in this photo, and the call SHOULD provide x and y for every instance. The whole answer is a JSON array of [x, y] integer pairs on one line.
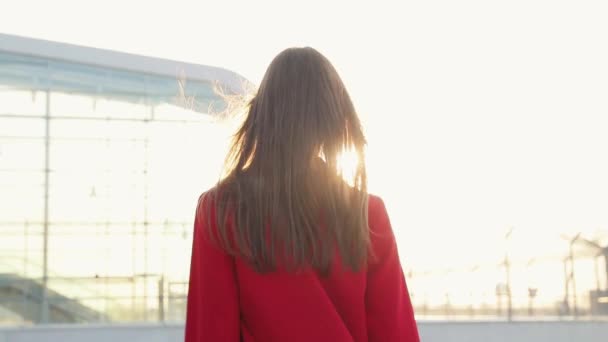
[[22, 102]]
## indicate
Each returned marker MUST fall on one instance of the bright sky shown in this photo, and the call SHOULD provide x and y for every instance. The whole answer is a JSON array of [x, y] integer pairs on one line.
[[481, 115]]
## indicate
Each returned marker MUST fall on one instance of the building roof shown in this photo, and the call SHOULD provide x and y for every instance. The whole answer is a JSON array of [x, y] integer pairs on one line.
[[120, 61]]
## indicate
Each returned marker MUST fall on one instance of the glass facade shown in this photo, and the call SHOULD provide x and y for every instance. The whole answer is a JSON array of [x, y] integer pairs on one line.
[[100, 171]]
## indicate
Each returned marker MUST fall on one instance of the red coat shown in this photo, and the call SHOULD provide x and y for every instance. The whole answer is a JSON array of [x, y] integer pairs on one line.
[[228, 301]]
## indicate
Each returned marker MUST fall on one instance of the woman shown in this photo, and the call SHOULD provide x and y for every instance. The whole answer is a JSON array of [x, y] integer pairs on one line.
[[285, 247]]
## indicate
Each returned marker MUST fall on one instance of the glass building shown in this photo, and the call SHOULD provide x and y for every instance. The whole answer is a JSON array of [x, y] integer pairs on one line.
[[102, 158]]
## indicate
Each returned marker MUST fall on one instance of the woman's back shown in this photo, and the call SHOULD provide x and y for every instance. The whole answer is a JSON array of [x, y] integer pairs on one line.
[[286, 246], [229, 301]]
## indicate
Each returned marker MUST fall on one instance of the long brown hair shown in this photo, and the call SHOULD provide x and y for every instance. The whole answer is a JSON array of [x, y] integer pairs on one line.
[[284, 201]]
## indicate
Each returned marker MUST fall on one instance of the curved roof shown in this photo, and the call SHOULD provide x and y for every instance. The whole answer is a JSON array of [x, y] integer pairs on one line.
[[40, 64]]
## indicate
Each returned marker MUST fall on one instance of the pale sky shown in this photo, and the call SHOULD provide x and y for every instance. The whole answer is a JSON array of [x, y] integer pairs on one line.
[[481, 115]]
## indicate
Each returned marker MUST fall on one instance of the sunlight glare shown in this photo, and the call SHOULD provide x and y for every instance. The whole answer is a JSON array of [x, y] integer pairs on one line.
[[347, 165]]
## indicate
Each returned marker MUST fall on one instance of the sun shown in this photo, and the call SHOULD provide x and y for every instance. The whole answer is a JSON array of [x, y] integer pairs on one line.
[[347, 165]]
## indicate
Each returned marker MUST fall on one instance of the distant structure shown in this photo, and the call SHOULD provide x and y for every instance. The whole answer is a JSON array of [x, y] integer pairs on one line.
[[92, 151], [35, 64], [598, 297]]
